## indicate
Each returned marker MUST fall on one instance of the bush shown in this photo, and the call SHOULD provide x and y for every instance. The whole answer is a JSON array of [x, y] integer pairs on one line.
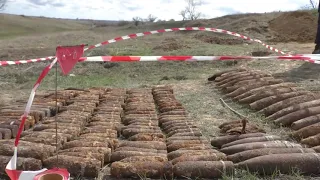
[[123, 23]]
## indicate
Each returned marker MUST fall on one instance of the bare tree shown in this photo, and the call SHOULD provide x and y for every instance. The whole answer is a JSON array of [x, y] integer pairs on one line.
[[313, 4], [190, 11], [3, 4], [183, 14], [151, 18], [137, 20]]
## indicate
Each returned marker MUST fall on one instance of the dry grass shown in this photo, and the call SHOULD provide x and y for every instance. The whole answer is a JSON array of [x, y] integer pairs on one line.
[[202, 101]]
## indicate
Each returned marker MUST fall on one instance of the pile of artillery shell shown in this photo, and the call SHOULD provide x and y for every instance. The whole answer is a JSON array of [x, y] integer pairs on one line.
[[143, 153], [90, 149], [43, 106], [189, 152], [265, 154], [34, 147], [70, 123], [281, 102]]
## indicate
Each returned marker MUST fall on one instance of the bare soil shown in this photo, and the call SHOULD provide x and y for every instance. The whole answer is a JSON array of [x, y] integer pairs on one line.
[[218, 40], [296, 26]]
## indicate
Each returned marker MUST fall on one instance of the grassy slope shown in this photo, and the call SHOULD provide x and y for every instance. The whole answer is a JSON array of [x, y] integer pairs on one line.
[[13, 26]]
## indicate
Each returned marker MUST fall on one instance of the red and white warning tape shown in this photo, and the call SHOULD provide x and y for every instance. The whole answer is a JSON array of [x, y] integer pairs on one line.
[[5, 63], [131, 36], [312, 58], [307, 58], [11, 168], [222, 31]]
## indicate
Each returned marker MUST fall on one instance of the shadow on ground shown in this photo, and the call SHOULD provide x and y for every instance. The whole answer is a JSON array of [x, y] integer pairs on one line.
[[307, 71]]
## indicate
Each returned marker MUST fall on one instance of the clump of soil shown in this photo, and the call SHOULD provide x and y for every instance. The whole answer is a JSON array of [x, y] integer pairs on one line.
[[218, 40], [169, 44], [297, 26]]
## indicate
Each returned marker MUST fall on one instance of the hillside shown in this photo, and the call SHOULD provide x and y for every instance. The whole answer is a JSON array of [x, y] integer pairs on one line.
[[33, 37], [277, 26], [14, 25], [296, 26]]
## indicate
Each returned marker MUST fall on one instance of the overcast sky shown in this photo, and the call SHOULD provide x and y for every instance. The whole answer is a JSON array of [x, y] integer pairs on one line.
[[126, 9]]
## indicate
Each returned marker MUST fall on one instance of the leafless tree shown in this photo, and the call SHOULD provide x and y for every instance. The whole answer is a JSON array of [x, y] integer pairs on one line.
[[190, 11], [313, 4], [137, 20], [183, 14], [151, 18], [3, 4]]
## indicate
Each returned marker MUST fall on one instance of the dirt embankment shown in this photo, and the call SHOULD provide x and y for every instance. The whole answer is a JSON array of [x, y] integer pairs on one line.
[[298, 26], [294, 26], [218, 40]]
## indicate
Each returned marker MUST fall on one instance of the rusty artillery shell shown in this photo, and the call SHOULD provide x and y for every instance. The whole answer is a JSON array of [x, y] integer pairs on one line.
[[144, 144], [297, 115], [294, 108], [257, 145], [147, 137], [219, 141], [265, 102], [306, 163], [305, 122], [253, 139], [24, 164], [212, 157], [88, 150], [76, 165], [203, 169], [174, 154], [312, 140], [5, 133], [119, 155], [120, 149], [288, 102], [148, 169], [27, 149], [306, 131], [245, 155]]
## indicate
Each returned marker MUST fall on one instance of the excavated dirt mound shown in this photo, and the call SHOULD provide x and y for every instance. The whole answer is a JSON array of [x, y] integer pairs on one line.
[[169, 44], [298, 26], [218, 40]]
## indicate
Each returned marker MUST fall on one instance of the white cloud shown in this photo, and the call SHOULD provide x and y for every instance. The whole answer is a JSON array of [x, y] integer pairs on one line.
[[126, 9]]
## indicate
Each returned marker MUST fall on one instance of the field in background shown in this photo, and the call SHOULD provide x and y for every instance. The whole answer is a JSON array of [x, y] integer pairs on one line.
[[30, 37]]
